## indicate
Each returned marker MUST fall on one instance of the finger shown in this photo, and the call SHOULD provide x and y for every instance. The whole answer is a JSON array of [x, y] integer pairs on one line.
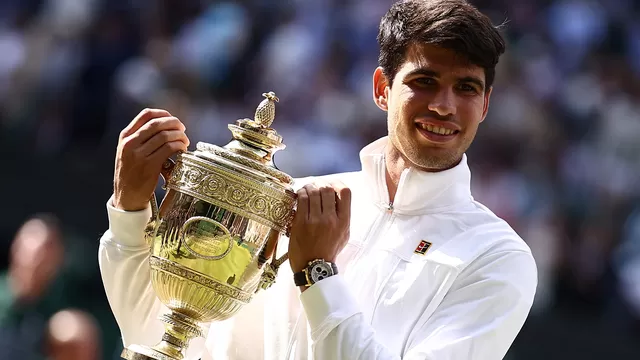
[[151, 128], [302, 209], [328, 197], [315, 200], [162, 138], [142, 118], [343, 202], [165, 151]]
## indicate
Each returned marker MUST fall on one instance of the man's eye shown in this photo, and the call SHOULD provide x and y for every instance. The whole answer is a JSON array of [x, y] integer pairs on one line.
[[425, 81], [467, 88]]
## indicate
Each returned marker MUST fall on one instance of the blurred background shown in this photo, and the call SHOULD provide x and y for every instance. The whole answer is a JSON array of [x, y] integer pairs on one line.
[[558, 156]]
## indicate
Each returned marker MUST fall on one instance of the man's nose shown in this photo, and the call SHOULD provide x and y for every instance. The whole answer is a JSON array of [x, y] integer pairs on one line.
[[443, 103]]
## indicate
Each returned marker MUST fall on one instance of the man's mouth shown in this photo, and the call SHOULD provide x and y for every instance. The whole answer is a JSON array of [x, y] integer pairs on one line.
[[436, 130]]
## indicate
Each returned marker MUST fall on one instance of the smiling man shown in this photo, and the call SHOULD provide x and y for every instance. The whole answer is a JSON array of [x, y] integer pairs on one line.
[[435, 100], [396, 261]]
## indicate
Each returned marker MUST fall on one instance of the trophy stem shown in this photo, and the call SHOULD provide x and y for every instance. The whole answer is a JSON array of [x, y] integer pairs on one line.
[[179, 329]]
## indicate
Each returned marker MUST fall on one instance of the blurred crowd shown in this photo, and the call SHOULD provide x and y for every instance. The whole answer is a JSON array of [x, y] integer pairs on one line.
[[558, 156]]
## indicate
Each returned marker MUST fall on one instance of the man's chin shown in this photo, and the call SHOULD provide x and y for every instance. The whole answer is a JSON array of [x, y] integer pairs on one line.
[[436, 159]]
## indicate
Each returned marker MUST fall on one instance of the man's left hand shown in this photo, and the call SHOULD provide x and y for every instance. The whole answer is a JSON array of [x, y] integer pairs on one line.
[[320, 227]]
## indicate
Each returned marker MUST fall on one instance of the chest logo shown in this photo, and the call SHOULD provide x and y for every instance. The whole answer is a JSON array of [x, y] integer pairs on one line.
[[422, 247]]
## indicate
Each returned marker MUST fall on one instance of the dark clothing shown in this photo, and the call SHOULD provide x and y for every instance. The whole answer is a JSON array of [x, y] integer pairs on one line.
[[23, 326]]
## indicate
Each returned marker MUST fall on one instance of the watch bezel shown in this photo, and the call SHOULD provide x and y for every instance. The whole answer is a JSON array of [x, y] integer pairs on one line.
[[312, 276]]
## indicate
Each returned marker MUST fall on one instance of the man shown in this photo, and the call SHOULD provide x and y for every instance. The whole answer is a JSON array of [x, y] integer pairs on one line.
[[73, 334], [31, 289], [36, 322], [424, 271]]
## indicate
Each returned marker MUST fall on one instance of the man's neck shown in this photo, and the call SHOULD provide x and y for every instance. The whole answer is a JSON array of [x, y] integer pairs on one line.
[[395, 164]]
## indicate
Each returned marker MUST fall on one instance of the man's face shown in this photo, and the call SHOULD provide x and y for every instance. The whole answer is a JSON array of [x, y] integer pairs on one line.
[[36, 257], [435, 104]]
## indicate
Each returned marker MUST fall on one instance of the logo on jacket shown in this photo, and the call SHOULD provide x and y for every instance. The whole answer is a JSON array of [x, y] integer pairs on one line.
[[422, 247]]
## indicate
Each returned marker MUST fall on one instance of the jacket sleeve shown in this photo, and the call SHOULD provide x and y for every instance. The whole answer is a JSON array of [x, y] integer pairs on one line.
[[478, 319], [123, 258]]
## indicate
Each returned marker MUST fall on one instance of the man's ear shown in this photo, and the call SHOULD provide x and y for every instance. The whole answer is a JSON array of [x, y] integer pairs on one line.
[[487, 98], [380, 89]]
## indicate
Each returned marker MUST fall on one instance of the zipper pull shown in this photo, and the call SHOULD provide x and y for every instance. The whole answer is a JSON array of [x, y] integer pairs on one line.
[[390, 207]]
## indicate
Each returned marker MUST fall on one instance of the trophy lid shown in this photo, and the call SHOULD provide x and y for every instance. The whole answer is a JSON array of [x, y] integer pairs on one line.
[[253, 145]]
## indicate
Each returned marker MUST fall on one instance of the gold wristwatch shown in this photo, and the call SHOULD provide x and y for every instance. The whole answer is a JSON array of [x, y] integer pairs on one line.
[[315, 271]]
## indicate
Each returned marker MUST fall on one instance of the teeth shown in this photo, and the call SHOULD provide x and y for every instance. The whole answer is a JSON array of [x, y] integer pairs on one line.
[[436, 129]]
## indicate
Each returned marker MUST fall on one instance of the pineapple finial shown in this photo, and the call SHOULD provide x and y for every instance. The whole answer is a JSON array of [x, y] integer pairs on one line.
[[266, 111]]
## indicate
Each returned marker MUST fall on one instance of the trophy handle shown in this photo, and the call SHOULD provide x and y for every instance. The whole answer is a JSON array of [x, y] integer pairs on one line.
[[287, 232], [270, 272], [275, 262], [167, 169], [271, 262], [165, 172]]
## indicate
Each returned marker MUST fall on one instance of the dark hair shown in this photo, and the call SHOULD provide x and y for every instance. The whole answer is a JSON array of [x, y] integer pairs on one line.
[[451, 24]]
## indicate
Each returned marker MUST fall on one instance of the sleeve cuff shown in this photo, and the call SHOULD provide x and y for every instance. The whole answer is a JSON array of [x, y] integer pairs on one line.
[[327, 304], [126, 228]]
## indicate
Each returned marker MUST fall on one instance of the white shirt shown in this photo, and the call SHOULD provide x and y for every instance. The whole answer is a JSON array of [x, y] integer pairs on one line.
[[466, 298]]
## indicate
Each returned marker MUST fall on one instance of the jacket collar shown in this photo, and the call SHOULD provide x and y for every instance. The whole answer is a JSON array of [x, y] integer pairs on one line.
[[418, 191]]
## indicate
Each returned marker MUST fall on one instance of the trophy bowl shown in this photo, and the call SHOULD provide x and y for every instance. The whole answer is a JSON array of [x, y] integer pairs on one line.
[[213, 240]]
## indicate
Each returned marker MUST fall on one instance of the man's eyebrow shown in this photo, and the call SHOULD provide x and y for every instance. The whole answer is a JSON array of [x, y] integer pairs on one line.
[[423, 71], [432, 73]]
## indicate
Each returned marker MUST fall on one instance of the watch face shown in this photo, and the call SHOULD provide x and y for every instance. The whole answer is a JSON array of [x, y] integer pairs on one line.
[[319, 271]]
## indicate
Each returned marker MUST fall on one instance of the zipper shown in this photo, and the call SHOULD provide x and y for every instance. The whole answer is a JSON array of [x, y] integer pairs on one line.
[[379, 224], [386, 215]]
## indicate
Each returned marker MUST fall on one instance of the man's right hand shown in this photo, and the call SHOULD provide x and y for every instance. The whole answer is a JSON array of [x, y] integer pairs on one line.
[[144, 145]]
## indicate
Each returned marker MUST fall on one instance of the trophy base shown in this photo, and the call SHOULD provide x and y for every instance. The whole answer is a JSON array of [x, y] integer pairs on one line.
[[137, 352], [179, 329]]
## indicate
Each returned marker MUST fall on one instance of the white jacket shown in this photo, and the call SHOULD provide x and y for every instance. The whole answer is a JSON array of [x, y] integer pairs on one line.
[[466, 298]]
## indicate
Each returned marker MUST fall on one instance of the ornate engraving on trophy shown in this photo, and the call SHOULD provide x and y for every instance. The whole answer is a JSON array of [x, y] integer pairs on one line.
[[229, 189], [206, 238]]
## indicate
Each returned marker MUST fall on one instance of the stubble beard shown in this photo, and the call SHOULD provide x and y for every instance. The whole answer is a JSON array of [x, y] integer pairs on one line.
[[429, 157]]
